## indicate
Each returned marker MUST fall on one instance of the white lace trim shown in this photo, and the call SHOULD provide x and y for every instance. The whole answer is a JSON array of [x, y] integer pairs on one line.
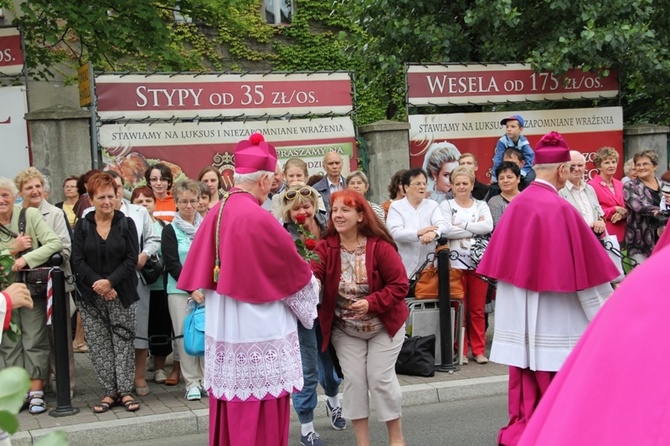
[[253, 369], [303, 303]]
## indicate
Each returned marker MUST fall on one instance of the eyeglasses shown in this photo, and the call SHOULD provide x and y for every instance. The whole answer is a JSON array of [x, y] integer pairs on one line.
[[644, 164], [185, 202], [293, 193], [158, 180]]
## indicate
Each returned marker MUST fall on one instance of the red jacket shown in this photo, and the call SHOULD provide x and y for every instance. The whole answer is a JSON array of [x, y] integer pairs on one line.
[[386, 277]]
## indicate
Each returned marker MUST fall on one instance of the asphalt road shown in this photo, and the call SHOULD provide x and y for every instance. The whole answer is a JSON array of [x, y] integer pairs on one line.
[[461, 423]]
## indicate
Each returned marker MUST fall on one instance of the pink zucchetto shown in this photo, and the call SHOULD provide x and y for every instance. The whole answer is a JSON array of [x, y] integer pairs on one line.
[[551, 149], [255, 154]]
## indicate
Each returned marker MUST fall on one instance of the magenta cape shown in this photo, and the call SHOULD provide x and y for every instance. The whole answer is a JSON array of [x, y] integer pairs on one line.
[[259, 261], [663, 241], [614, 387], [542, 244]]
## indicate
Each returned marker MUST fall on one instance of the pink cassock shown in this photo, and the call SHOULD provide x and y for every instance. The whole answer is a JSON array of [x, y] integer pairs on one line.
[[614, 387]]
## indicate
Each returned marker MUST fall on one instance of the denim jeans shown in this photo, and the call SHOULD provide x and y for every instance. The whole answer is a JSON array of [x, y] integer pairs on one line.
[[317, 367]]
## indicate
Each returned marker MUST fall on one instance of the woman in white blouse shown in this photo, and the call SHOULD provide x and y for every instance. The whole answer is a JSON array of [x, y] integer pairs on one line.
[[468, 217], [415, 222]]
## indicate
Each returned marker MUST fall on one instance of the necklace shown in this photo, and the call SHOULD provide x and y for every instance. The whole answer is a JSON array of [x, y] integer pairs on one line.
[[507, 197], [359, 244], [5, 240]]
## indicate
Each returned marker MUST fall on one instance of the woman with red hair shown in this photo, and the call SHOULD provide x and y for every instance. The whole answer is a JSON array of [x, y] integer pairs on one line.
[[363, 311]]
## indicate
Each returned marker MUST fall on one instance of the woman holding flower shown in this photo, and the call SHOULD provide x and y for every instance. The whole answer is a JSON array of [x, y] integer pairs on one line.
[[306, 225]]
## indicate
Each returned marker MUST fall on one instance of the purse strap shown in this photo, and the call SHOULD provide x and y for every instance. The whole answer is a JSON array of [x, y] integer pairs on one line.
[[217, 262]]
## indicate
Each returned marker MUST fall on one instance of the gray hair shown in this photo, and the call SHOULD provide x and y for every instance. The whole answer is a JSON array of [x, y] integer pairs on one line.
[[549, 166], [7, 184], [359, 174], [251, 177]]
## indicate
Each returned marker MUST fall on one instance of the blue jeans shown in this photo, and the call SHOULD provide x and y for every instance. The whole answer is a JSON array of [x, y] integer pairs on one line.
[[317, 367]]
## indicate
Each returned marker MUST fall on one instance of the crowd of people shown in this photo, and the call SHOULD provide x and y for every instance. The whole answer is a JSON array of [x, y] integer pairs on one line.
[[361, 256]]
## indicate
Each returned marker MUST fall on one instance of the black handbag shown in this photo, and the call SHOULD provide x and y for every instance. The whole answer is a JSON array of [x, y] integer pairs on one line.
[[417, 356], [152, 269]]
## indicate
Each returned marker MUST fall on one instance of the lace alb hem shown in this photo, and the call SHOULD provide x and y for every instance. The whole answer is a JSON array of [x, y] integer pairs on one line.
[[253, 369]]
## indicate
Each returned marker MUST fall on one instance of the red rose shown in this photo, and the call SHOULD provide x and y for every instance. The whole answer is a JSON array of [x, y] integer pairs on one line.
[[310, 244], [300, 219]]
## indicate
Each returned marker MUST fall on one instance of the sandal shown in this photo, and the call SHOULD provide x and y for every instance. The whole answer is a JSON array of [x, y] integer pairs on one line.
[[80, 348], [36, 404], [107, 402], [129, 403]]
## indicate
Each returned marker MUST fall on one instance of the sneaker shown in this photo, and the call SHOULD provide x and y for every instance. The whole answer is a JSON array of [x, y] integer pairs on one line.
[[203, 391], [336, 419], [311, 439], [193, 394]]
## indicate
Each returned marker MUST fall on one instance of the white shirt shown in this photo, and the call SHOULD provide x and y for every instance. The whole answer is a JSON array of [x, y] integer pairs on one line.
[[403, 222], [584, 206]]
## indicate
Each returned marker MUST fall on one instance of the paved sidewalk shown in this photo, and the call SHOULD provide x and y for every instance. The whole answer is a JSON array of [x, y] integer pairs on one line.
[[165, 412]]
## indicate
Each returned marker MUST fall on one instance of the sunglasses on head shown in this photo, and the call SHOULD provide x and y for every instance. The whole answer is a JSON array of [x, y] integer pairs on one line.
[[293, 193]]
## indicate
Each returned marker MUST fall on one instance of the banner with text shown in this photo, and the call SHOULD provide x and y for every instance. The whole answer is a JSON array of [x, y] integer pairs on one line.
[[213, 96], [187, 148], [585, 129], [11, 54], [13, 131], [429, 85]]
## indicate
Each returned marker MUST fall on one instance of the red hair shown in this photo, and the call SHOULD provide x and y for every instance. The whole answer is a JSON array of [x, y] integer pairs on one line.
[[370, 226], [100, 181], [143, 190]]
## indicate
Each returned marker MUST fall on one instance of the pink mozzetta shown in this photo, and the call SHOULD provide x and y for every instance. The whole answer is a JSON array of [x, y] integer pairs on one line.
[[553, 248], [259, 262]]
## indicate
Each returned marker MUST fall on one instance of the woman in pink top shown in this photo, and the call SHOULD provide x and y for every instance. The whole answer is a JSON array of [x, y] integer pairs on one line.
[[610, 192]]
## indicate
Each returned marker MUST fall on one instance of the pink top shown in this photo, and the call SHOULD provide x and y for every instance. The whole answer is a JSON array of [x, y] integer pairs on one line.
[[543, 244], [608, 200], [259, 261], [600, 396]]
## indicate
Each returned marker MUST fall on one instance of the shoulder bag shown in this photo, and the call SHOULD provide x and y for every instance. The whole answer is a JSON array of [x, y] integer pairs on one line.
[[417, 356], [194, 331]]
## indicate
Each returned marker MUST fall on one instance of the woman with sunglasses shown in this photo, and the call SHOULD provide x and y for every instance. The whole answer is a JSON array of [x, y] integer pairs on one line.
[[363, 311], [299, 206], [295, 172], [177, 238]]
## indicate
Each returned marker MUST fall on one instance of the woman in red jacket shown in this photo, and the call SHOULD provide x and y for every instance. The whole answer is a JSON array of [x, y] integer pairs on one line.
[[363, 311]]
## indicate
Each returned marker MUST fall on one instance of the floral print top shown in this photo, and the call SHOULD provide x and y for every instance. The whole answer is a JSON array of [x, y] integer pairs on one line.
[[641, 225], [354, 287]]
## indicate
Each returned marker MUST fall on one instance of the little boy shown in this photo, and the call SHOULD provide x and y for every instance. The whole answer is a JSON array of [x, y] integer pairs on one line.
[[515, 140]]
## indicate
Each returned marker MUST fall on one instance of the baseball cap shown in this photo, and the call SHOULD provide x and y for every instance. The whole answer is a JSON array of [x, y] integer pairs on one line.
[[522, 123]]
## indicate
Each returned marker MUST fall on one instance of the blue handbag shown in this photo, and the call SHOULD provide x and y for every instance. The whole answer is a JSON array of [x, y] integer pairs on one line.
[[194, 331]]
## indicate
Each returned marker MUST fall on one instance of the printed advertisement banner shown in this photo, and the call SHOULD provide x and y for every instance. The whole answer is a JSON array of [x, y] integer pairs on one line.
[[585, 129], [11, 55], [429, 85], [187, 148], [213, 96], [13, 131]]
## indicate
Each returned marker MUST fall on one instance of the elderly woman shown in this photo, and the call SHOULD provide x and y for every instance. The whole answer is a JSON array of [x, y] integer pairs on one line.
[[439, 161], [358, 181], [32, 248], [104, 253], [211, 176], [177, 238], [30, 183], [628, 171], [609, 191], [468, 218], [159, 315], [643, 199], [300, 204], [509, 178], [363, 311], [415, 222], [396, 191], [159, 178]]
